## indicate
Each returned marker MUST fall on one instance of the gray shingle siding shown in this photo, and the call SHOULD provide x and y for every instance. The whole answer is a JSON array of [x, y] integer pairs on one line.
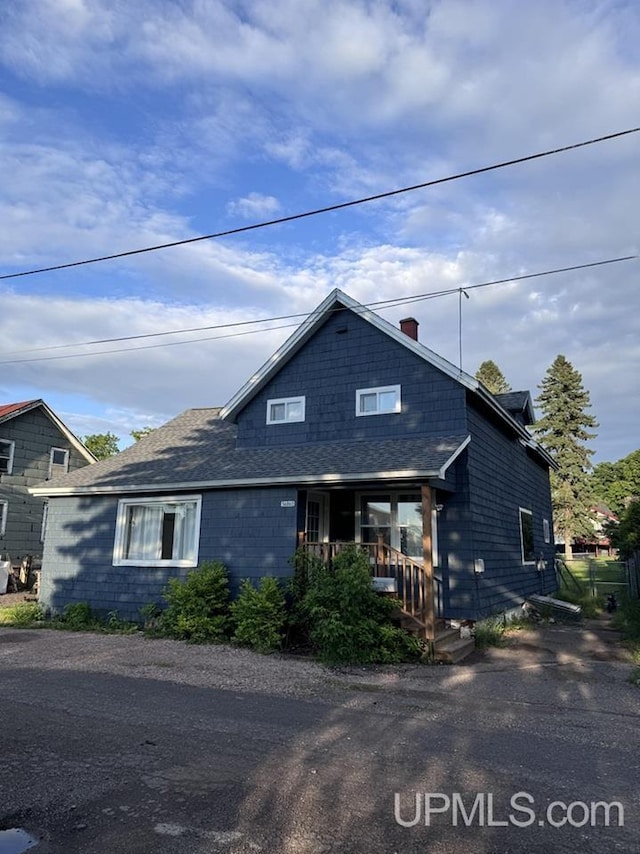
[[503, 477], [329, 370], [34, 436], [247, 530]]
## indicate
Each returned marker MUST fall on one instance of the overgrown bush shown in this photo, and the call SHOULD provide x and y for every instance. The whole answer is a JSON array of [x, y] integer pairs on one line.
[[21, 615], [259, 615], [349, 623], [198, 607]]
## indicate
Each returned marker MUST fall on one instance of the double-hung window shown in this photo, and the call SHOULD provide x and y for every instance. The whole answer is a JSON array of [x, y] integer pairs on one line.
[[378, 401], [6, 456], [285, 410], [158, 531]]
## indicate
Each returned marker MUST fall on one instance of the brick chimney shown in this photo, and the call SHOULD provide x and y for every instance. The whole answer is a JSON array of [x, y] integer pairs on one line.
[[410, 327]]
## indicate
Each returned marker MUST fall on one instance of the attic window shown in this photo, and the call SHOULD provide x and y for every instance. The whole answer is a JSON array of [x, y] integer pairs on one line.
[[378, 401], [6, 456], [285, 410], [58, 461]]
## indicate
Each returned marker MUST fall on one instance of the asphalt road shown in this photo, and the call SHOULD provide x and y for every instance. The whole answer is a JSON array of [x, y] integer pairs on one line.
[[99, 758]]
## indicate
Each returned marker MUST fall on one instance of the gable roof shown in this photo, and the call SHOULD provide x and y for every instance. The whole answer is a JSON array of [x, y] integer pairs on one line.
[[197, 450], [337, 300], [9, 411]]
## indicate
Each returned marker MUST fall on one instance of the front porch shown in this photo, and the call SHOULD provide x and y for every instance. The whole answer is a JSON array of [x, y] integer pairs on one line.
[[398, 530]]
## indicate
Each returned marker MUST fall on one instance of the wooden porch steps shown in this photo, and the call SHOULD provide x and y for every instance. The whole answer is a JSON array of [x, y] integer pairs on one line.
[[449, 647]]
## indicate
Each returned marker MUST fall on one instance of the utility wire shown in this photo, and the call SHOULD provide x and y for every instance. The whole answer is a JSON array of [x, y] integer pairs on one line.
[[328, 209], [380, 305]]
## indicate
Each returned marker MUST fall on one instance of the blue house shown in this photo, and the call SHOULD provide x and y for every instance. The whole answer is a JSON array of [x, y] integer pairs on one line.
[[352, 431]]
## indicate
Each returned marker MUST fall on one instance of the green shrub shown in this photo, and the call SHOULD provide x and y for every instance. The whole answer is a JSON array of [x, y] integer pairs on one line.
[[349, 623], [259, 615], [78, 617], [22, 615], [198, 607], [117, 626]]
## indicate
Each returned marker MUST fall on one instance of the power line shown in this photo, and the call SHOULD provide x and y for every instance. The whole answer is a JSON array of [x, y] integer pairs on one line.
[[379, 304], [328, 209]]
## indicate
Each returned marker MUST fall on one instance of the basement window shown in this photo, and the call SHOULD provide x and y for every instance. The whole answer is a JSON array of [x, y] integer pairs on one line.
[[157, 532]]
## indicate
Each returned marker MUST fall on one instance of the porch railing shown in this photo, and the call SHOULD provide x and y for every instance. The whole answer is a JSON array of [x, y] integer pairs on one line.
[[410, 577]]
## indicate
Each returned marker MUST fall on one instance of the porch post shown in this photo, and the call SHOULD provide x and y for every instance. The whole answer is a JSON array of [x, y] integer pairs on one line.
[[427, 558]]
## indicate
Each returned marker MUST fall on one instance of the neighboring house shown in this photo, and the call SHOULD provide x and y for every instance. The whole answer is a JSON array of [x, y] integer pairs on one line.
[[352, 431], [599, 544], [34, 445]]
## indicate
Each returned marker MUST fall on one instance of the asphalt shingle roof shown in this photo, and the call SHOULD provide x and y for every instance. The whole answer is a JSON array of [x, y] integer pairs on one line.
[[198, 448]]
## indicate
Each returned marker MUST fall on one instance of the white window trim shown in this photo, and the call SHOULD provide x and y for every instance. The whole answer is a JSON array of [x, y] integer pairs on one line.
[[378, 390], [45, 516], [286, 400], [58, 465], [12, 448], [121, 527], [4, 510], [546, 530], [522, 510]]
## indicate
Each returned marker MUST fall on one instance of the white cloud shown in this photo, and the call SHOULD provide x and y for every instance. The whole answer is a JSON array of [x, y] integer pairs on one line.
[[254, 206], [162, 113]]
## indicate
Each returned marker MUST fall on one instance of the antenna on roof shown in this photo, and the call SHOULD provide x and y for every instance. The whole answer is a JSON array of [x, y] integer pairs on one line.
[[460, 292]]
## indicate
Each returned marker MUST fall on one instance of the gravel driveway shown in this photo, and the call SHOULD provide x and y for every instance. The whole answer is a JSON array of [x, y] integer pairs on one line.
[[139, 746]]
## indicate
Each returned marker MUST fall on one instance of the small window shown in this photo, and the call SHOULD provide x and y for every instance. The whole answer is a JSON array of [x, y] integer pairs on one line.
[[157, 532], [378, 401], [4, 507], [6, 456], [526, 536], [546, 530], [58, 461], [285, 410]]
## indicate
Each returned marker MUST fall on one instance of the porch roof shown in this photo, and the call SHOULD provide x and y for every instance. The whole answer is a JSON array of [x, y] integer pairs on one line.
[[197, 450]]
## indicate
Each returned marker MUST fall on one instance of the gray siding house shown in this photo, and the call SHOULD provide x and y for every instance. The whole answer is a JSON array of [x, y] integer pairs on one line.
[[34, 446], [352, 432]]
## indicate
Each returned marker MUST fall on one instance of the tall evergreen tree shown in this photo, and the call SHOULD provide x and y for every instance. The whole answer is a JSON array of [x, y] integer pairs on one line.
[[492, 377], [564, 431]]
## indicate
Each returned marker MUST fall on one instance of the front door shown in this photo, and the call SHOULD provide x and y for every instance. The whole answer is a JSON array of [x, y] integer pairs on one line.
[[317, 523]]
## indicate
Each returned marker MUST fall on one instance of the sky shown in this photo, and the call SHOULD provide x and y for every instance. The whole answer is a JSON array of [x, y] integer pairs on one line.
[[125, 125]]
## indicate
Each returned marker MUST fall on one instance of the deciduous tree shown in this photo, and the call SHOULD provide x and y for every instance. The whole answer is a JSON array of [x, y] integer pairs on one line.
[[102, 445]]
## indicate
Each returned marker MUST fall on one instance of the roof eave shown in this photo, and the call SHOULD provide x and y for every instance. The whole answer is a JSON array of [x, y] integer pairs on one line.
[[289, 480]]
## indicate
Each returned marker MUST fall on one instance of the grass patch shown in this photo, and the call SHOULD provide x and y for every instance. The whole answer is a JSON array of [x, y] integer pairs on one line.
[[490, 632], [23, 615], [627, 620]]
